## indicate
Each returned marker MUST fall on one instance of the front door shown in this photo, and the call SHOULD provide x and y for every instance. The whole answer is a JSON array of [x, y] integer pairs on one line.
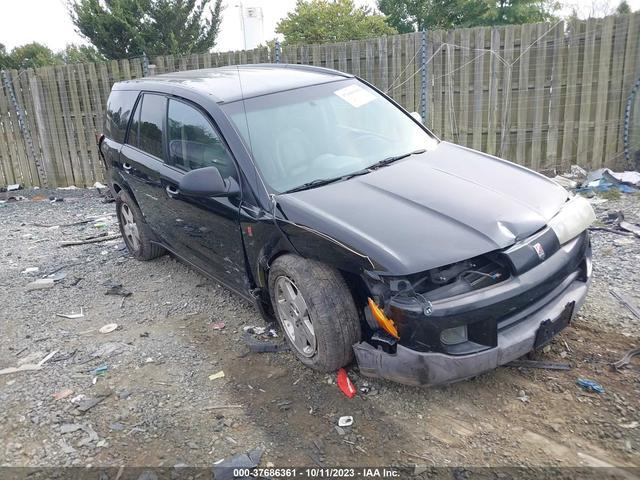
[[206, 230]]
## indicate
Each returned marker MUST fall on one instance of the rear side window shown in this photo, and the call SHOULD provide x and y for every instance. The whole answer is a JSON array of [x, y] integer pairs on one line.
[[193, 143], [119, 107], [148, 124]]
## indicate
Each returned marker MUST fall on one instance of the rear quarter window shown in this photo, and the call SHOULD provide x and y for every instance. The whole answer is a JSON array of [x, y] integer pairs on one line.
[[119, 108]]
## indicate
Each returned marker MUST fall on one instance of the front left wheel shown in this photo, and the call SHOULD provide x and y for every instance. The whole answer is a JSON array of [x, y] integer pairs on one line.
[[316, 311]]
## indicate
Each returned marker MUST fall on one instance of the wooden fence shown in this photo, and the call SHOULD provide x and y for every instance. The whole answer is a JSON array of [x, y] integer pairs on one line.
[[543, 95]]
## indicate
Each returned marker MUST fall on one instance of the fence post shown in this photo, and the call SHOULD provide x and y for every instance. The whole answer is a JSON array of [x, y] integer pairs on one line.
[[8, 83], [277, 51], [424, 104], [145, 65], [627, 125]]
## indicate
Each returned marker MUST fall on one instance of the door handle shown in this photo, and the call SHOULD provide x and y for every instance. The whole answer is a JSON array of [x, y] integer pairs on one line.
[[126, 166], [171, 190]]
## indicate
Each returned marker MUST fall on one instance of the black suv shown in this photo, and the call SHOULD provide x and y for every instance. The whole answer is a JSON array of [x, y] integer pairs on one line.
[[318, 197]]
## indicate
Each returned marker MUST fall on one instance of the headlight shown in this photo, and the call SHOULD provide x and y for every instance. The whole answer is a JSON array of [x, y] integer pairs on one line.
[[454, 336], [574, 218]]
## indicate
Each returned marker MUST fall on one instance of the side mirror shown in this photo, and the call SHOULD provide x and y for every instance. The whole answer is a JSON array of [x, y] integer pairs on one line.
[[417, 116], [207, 182]]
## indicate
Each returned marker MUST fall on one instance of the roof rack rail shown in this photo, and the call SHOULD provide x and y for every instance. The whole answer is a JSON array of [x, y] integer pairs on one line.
[[295, 66]]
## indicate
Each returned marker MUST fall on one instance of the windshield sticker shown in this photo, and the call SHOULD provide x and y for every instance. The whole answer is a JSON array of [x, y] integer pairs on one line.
[[355, 95]]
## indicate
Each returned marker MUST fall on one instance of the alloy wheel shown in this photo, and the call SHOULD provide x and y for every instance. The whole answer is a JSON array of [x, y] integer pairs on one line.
[[129, 228], [294, 315]]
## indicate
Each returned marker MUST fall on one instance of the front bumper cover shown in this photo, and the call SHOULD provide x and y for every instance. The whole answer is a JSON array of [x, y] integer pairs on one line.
[[412, 367]]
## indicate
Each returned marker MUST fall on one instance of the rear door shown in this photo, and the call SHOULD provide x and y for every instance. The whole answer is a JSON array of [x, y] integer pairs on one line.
[[143, 159]]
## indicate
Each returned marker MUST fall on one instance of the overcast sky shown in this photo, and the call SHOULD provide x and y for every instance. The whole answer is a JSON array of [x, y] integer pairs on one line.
[[47, 21]]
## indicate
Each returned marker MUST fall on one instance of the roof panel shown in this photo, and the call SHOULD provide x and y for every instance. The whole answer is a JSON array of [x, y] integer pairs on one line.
[[231, 83]]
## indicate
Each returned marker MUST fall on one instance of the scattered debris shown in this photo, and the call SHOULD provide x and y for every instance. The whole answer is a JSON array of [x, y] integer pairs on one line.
[[603, 180], [345, 384], [108, 328], [28, 366], [116, 289], [218, 325], [30, 270], [87, 404], [539, 364], [226, 469], [70, 427], [221, 407], [626, 359], [257, 346], [215, 376], [92, 436], [522, 396], [62, 394], [346, 421], [71, 243], [626, 301], [41, 284], [109, 349], [255, 330], [101, 370], [65, 447], [340, 431], [590, 385], [71, 315]]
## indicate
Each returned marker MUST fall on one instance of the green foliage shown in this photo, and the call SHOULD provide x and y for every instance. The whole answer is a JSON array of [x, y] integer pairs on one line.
[[127, 28], [30, 55], [4, 57], [325, 21], [411, 15], [80, 54], [623, 8]]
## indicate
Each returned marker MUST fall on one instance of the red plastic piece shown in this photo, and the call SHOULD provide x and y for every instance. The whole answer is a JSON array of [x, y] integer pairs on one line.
[[345, 384]]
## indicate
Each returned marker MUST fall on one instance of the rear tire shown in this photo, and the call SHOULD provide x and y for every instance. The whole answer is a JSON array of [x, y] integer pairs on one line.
[[296, 284], [136, 233]]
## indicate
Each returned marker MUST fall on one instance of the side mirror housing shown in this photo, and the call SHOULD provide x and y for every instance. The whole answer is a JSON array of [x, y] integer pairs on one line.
[[207, 182], [417, 116]]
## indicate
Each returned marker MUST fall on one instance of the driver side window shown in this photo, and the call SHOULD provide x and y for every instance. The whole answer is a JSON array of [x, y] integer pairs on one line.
[[193, 143]]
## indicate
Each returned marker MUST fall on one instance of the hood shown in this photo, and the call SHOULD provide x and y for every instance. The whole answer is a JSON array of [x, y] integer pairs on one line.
[[429, 210]]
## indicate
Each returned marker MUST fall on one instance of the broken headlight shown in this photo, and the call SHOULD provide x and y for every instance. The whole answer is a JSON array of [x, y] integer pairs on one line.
[[574, 218]]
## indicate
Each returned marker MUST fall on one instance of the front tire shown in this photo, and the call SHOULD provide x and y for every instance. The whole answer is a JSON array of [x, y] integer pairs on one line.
[[135, 231], [316, 311]]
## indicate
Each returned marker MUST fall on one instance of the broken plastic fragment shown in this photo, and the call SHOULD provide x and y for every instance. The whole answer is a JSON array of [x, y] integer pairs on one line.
[[345, 384], [71, 315], [345, 421], [108, 328], [215, 376]]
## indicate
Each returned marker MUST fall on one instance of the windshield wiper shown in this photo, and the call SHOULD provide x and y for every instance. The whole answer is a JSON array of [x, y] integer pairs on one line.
[[319, 182], [386, 161]]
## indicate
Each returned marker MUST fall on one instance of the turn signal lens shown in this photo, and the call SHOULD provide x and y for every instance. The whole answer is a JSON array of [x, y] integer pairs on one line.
[[385, 323]]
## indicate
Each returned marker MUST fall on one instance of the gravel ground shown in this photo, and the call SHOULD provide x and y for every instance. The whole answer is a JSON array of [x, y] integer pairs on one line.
[[158, 407]]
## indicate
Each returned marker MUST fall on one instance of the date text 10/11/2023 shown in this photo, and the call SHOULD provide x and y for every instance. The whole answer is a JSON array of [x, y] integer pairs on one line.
[[318, 472]]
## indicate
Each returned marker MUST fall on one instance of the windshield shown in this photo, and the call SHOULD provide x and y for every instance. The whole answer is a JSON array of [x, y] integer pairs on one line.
[[322, 132]]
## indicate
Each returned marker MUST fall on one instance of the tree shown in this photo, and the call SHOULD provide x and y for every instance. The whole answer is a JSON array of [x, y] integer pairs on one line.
[[623, 8], [323, 21], [127, 28], [411, 15], [4, 57], [80, 54], [31, 55]]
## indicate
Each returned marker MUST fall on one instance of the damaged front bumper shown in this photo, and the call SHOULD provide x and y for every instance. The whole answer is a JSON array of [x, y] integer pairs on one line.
[[516, 332]]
